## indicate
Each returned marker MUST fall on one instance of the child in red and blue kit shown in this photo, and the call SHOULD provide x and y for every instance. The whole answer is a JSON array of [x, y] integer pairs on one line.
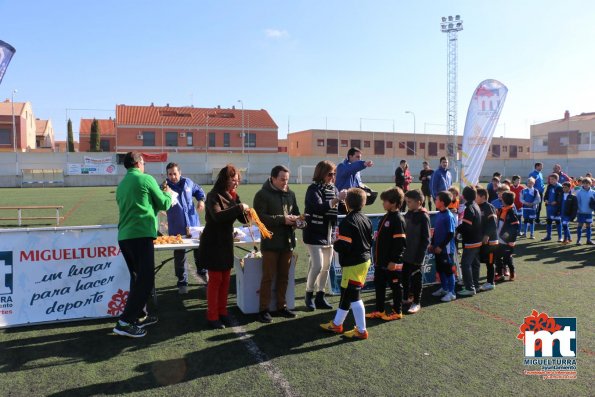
[[443, 247], [508, 228], [388, 255], [353, 246]]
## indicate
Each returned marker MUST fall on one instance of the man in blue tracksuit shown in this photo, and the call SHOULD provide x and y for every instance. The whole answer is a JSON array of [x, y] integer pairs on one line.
[[182, 216], [538, 176], [441, 179], [348, 172]]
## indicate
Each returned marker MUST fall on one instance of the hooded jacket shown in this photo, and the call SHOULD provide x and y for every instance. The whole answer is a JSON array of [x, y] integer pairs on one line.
[[441, 181], [184, 213], [271, 205]]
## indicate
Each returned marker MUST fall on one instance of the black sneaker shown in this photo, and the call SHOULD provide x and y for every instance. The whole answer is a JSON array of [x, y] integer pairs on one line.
[[129, 330], [203, 278], [285, 312], [215, 324], [226, 320], [265, 317], [146, 321]]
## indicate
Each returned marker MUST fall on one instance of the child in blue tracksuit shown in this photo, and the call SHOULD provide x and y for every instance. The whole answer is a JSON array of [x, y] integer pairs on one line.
[[553, 202], [567, 211], [530, 199], [443, 247], [585, 199]]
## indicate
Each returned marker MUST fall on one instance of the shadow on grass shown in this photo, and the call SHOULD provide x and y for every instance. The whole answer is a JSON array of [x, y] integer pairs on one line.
[[234, 351], [553, 253]]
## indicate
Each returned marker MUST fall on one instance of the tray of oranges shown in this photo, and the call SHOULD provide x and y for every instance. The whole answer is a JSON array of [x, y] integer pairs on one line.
[[177, 239]]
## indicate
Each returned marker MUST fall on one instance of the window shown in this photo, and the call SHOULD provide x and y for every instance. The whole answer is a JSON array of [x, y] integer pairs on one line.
[[356, 143], [249, 139], [320, 142], [544, 142], [379, 147], [584, 138], [422, 145], [513, 151], [450, 150], [520, 149], [389, 144], [226, 139], [189, 139], [331, 146], [432, 149], [442, 146], [411, 148], [171, 139], [5, 137], [148, 138], [496, 151], [401, 145], [104, 145], [504, 148], [344, 142], [366, 144], [460, 146], [212, 142]]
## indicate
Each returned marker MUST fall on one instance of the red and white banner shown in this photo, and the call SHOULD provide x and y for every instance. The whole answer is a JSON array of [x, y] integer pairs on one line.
[[483, 114], [155, 157], [63, 273]]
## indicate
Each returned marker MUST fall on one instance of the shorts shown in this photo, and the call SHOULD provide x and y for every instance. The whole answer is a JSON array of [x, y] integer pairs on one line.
[[584, 218], [486, 250], [529, 213], [553, 213], [565, 220], [355, 274]]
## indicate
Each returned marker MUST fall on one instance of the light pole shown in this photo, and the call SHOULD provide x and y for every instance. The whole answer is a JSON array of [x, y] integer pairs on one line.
[[14, 126], [414, 140], [242, 134]]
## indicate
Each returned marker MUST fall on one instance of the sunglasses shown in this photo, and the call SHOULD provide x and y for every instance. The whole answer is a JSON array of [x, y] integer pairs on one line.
[[331, 174]]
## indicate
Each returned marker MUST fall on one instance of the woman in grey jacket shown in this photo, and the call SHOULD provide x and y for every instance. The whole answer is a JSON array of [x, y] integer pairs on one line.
[[322, 199]]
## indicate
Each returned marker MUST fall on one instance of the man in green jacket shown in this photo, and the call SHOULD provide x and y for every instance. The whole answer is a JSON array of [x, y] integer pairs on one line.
[[277, 208], [139, 200]]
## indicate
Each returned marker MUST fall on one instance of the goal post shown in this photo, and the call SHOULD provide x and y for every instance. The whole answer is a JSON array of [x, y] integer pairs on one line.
[[305, 173]]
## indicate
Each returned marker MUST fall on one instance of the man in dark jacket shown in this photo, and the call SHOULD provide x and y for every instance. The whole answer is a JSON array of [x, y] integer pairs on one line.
[[180, 218], [425, 176], [277, 208]]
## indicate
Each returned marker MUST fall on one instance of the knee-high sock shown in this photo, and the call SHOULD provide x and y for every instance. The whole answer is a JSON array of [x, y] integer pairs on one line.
[[532, 228], [451, 283], [589, 233], [548, 230], [559, 229], [579, 233], [359, 312], [443, 281], [566, 230], [340, 316]]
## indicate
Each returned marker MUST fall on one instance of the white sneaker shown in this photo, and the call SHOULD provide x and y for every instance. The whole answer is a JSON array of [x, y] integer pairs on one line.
[[448, 297], [414, 308], [487, 287], [439, 292]]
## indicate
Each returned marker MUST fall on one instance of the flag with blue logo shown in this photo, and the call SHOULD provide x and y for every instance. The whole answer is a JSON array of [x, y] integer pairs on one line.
[[6, 53], [483, 114]]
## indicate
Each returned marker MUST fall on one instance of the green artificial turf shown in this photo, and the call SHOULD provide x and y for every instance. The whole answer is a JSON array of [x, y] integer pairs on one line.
[[466, 347]]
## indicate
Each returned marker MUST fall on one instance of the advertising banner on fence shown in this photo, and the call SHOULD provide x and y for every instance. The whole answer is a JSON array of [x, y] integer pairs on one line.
[[483, 114], [55, 274], [90, 160], [91, 169], [335, 272]]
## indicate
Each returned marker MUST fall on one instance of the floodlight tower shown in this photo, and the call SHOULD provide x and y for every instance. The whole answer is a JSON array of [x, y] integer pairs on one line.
[[451, 26]]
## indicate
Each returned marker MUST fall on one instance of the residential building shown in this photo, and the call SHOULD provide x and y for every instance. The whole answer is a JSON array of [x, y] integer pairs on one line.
[[25, 127], [44, 134], [570, 136], [322, 143], [62, 146], [188, 129], [107, 135]]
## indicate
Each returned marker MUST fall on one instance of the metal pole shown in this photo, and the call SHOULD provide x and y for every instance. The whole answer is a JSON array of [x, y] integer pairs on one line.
[[242, 102], [14, 126], [414, 139]]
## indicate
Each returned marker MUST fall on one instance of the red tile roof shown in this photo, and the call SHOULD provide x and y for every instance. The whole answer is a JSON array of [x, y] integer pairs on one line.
[[6, 108], [192, 117], [106, 127], [40, 126]]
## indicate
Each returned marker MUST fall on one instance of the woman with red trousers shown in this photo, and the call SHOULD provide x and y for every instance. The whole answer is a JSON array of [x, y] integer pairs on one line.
[[223, 208]]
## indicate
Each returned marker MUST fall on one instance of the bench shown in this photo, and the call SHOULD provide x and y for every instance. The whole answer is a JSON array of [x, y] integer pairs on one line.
[[20, 209], [42, 176]]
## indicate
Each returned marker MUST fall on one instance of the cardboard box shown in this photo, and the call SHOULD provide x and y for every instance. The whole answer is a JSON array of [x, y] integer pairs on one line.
[[248, 279]]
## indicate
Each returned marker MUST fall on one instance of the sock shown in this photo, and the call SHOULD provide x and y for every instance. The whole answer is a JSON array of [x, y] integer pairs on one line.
[[359, 312], [122, 323], [340, 316], [566, 231], [579, 233], [548, 230], [559, 230], [526, 227], [532, 229], [451, 283], [589, 233]]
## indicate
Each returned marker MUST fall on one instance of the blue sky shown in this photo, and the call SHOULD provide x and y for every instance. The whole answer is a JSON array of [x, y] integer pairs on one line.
[[311, 64]]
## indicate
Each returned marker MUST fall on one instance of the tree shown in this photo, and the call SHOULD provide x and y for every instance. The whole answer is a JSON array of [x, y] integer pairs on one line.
[[70, 137], [95, 132]]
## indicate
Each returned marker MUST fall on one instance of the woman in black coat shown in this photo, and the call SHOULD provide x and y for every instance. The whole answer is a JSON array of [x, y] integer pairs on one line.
[[223, 208]]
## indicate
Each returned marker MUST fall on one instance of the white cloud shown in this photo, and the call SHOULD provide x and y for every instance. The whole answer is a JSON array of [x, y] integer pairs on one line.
[[275, 33]]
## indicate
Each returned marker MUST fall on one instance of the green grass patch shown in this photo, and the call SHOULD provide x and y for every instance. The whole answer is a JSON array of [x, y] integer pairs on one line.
[[467, 347]]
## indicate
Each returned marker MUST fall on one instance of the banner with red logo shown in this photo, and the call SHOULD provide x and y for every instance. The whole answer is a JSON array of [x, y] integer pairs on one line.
[[155, 157], [483, 114], [62, 273]]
